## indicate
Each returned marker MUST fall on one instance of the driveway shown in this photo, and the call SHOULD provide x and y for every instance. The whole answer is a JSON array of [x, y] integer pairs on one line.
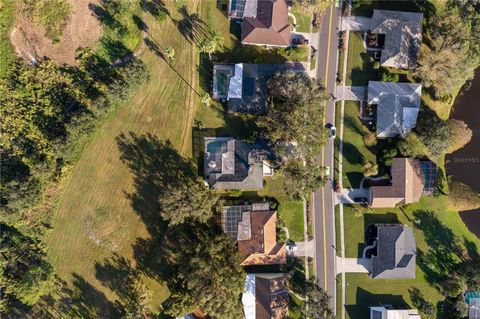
[[304, 249], [355, 23], [347, 195], [354, 265], [351, 93]]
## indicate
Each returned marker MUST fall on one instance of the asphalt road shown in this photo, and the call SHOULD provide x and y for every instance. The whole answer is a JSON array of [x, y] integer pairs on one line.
[[323, 205]]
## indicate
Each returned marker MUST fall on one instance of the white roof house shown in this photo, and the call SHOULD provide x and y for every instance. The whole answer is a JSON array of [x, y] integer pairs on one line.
[[398, 105], [384, 313]]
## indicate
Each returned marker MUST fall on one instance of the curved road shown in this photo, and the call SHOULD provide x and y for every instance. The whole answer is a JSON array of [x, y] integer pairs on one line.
[[323, 199]]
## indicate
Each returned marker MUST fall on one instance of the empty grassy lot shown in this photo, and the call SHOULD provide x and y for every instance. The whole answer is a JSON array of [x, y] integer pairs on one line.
[[359, 65], [354, 150], [96, 216], [435, 229]]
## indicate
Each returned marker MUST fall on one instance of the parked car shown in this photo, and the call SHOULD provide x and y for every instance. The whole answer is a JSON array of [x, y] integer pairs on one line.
[[299, 41], [333, 132]]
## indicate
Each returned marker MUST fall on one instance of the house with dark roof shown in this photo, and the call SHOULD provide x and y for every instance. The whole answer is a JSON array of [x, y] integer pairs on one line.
[[397, 106], [230, 163], [264, 22], [407, 185], [402, 32], [265, 296], [386, 313], [394, 251], [254, 227]]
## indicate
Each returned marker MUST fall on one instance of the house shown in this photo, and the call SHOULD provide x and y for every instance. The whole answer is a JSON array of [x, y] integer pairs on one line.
[[264, 22], [244, 85], [474, 308], [407, 186], [254, 227], [230, 163], [394, 251], [265, 296], [397, 106], [384, 313], [401, 34]]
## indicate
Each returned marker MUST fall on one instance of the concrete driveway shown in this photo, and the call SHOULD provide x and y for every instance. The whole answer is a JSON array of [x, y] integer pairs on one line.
[[304, 249], [347, 195], [354, 265], [351, 93], [355, 23]]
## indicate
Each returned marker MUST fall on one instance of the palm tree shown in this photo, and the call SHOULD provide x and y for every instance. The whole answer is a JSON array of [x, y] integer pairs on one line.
[[170, 52], [211, 44]]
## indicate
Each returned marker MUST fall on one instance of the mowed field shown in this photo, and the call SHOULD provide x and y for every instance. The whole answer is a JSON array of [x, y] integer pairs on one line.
[[95, 217]]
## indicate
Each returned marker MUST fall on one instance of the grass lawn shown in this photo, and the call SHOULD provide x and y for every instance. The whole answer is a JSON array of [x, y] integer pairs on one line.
[[359, 65], [95, 215], [7, 16], [435, 229], [366, 9], [354, 150], [303, 20], [338, 240]]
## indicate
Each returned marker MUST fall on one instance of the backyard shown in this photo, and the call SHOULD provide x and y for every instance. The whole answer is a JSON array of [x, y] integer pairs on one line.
[[435, 229]]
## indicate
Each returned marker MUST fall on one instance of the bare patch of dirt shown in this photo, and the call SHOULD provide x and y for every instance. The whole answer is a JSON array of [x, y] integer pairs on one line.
[[83, 30]]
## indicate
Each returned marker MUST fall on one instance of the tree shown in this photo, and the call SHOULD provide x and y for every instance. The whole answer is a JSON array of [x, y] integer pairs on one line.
[[411, 146], [25, 275], [423, 305], [433, 133], [189, 201], [300, 179], [460, 135], [211, 44], [370, 139], [293, 116], [387, 76], [208, 276], [370, 168], [206, 99], [170, 52], [317, 305], [388, 155]]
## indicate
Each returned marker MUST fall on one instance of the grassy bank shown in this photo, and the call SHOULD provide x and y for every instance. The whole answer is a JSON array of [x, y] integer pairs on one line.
[[435, 228], [96, 216]]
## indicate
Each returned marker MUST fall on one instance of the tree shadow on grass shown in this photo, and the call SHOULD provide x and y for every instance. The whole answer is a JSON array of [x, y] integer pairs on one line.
[[155, 164], [191, 26], [156, 8], [365, 299], [445, 248]]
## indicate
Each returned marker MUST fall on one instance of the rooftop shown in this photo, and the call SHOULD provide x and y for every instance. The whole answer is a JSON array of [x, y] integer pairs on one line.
[[383, 313], [397, 106], [270, 26], [403, 37], [407, 185], [232, 164], [396, 251], [254, 228], [265, 296]]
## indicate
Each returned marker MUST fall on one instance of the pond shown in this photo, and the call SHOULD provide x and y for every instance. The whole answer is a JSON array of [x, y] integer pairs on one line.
[[464, 164]]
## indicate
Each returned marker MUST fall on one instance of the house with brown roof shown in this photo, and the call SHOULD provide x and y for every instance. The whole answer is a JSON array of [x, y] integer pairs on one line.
[[265, 296], [266, 24], [406, 187], [254, 227]]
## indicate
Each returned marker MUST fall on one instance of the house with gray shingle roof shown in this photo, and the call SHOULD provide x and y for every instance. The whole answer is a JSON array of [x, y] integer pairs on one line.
[[403, 37], [395, 256], [397, 104], [230, 163]]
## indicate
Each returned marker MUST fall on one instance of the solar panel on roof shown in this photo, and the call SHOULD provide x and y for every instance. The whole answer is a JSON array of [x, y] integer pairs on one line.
[[231, 215]]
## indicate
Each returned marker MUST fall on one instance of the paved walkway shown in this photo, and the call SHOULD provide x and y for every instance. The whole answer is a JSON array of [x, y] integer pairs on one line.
[[355, 23], [351, 93], [354, 265], [347, 195]]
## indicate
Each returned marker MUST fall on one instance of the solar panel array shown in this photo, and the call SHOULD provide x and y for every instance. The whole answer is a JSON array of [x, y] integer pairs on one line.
[[429, 170], [231, 215]]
